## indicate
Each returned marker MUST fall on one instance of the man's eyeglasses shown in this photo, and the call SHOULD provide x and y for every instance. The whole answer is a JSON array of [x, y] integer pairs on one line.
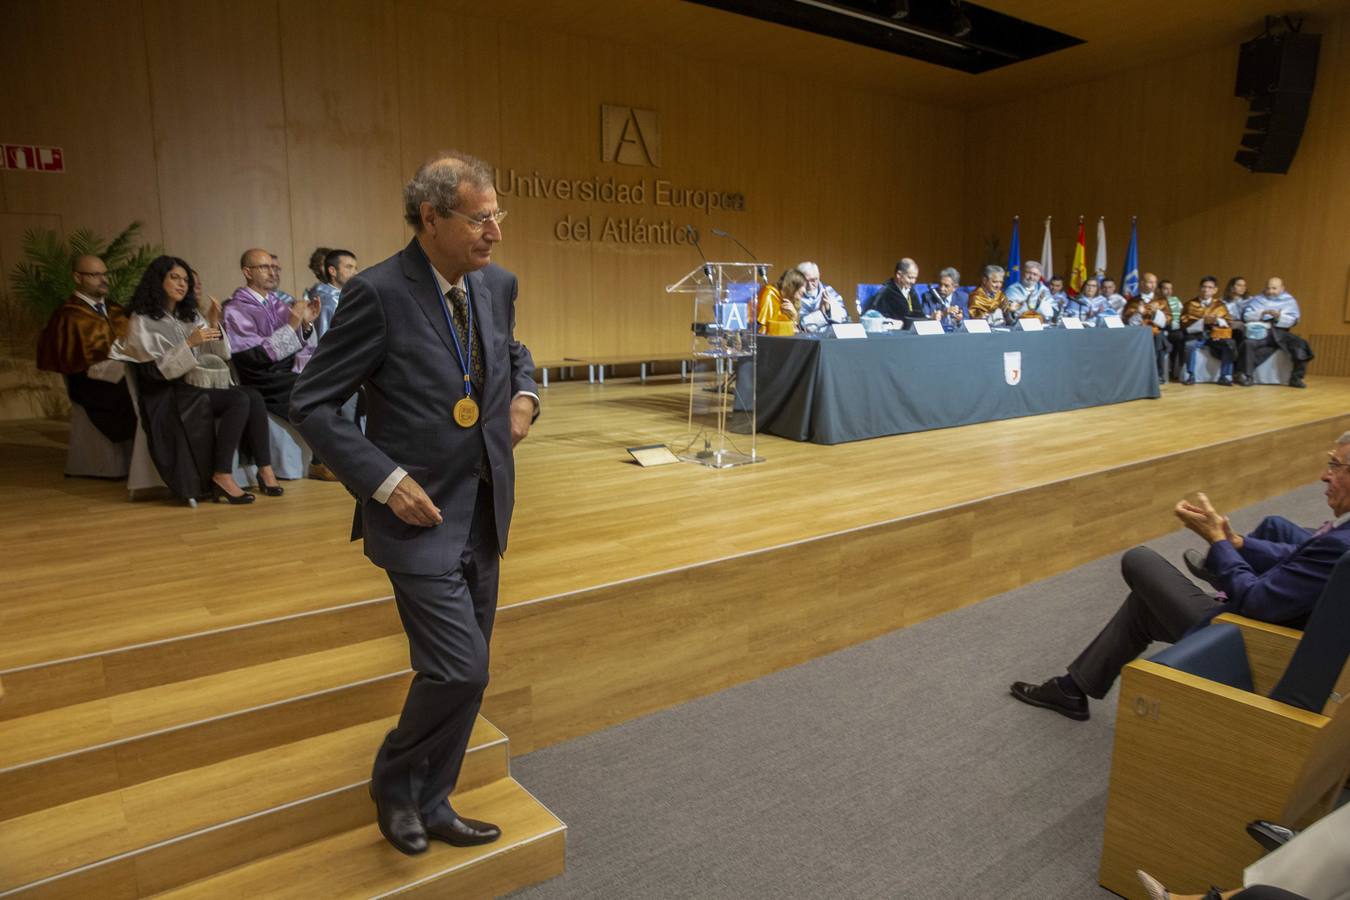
[[93, 274], [478, 223], [1333, 464]]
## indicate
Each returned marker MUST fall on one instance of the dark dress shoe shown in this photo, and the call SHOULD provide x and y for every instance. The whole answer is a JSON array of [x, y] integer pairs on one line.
[[459, 832], [1195, 562], [400, 823], [1225, 382], [1297, 382], [1269, 835], [1051, 696], [272, 490]]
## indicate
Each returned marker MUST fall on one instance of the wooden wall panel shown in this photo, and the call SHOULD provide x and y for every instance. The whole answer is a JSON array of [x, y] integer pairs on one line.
[[1158, 142], [220, 134], [342, 130]]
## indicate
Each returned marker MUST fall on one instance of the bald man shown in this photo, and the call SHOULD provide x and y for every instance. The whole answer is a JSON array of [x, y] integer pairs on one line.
[[270, 342], [1278, 311], [76, 343]]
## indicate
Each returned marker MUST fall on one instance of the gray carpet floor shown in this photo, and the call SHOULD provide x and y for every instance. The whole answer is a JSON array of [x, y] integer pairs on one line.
[[899, 768]]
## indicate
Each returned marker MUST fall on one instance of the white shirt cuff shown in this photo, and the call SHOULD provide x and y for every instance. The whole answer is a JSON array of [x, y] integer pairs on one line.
[[383, 492]]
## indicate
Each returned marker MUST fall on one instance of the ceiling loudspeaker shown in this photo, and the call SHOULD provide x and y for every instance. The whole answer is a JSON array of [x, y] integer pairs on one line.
[[1276, 73]]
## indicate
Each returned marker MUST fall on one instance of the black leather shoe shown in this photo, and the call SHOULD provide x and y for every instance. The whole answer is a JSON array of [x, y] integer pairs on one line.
[[1050, 696], [1195, 562], [1296, 382], [1241, 379], [272, 490], [460, 832], [400, 823], [1225, 382]]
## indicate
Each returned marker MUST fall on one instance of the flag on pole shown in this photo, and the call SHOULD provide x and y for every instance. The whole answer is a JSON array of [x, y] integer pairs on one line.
[[1078, 272], [1047, 255], [1129, 279], [1099, 268], [1014, 257]]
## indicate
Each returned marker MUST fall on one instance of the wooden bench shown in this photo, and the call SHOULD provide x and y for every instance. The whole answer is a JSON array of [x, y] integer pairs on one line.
[[598, 362]]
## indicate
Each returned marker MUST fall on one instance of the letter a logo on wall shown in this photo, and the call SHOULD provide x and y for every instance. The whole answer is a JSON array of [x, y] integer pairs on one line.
[[629, 136]]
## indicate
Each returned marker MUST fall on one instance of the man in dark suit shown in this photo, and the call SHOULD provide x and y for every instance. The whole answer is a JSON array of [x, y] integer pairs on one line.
[[1275, 574], [945, 301], [429, 335], [899, 299]]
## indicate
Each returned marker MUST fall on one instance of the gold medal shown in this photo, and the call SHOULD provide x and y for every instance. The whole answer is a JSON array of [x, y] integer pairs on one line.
[[466, 412]]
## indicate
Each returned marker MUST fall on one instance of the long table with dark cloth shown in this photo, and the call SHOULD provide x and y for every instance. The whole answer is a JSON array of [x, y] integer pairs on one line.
[[829, 391]]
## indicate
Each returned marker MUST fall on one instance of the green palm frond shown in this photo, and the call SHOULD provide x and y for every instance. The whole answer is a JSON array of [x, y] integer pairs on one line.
[[43, 280]]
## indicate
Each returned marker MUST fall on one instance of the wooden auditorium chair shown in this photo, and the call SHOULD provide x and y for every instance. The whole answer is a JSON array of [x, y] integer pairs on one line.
[[1240, 721]]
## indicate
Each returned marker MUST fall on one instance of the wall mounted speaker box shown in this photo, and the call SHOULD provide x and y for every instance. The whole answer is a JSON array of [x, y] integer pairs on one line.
[[1276, 73]]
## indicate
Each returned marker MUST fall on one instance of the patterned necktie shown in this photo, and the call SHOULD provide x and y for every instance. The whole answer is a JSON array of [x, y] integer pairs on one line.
[[101, 309], [459, 313]]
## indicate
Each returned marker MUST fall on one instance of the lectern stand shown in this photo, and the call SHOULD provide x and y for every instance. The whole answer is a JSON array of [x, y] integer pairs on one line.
[[720, 430]]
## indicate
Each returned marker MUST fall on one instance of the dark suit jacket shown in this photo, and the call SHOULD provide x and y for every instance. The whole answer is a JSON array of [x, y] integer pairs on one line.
[[390, 335], [1275, 582], [892, 304]]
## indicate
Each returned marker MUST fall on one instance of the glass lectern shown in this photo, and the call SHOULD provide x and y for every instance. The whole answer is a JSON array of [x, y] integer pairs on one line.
[[720, 429]]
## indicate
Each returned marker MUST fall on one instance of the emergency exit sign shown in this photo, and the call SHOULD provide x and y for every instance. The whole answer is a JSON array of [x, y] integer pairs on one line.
[[31, 158]]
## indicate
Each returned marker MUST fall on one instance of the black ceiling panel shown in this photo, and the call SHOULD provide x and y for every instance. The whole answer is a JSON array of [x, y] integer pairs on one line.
[[957, 35]]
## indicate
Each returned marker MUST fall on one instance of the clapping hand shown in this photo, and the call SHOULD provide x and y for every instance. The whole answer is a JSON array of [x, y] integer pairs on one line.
[[312, 309], [213, 313], [201, 335], [1202, 518]]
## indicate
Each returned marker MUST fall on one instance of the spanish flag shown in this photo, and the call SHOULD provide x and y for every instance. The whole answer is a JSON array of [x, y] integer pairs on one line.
[[1078, 272]]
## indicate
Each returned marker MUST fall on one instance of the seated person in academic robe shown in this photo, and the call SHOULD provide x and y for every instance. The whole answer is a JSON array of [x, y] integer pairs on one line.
[[945, 301], [1278, 311], [271, 341], [1058, 295], [1235, 296], [76, 343], [1176, 337], [1156, 315], [988, 301], [821, 306], [1028, 298], [195, 418], [1205, 322], [776, 307], [899, 299], [1113, 300], [1275, 574]]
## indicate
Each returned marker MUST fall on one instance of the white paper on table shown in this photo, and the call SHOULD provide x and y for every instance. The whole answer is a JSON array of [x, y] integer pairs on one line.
[[1071, 323], [1030, 324], [976, 326], [848, 330], [928, 326], [1112, 322]]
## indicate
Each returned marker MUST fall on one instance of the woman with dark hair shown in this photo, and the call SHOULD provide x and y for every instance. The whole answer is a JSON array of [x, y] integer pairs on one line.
[[1236, 299], [194, 416]]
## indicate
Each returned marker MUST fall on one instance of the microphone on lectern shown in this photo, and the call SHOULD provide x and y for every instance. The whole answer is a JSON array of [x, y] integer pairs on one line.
[[723, 234], [693, 239]]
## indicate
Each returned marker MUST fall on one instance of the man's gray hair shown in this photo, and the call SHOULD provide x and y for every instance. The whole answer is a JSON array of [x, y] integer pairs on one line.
[[1031, 262], [951, 273], [1343, 439], [437, 182], [809, 269], [991, 271]]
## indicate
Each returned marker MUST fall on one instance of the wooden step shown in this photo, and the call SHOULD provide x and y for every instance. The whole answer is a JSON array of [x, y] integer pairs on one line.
[[261, 803], [59, 683], [358, 863], [61, 755]]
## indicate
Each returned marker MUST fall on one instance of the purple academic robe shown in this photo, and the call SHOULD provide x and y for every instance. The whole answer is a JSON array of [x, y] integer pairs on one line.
[[267, 351]]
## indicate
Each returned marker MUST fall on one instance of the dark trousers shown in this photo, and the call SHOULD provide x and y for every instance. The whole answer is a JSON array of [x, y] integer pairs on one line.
[[241, 424], [1160, 347], [1266, 892], [1176, 347], [1253, 353], [1163, 604], [448, 619]]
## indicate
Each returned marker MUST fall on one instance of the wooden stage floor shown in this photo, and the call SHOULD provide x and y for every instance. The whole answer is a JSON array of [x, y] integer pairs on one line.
[[85, 571]]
